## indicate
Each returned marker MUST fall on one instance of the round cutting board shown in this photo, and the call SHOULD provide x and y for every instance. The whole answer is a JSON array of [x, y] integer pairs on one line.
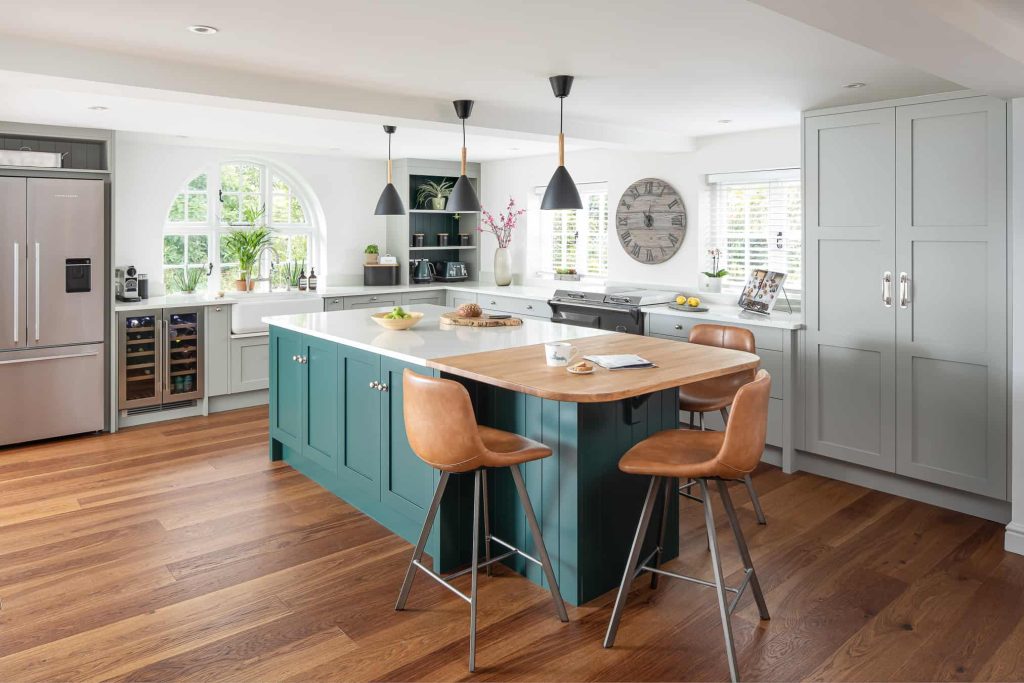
[[455, 319]]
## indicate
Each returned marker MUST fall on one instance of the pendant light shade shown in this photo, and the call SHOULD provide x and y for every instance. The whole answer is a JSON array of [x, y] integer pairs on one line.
[[390, 203], [561, 192], [463, 198]]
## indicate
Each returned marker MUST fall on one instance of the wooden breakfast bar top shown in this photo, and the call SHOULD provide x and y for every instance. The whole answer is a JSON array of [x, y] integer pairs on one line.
[[523, 369]]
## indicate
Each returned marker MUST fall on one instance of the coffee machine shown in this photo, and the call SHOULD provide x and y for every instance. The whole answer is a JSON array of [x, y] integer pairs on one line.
[[126, 283]]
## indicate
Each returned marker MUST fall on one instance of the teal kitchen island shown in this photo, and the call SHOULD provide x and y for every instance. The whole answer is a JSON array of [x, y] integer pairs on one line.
[[336, 416]]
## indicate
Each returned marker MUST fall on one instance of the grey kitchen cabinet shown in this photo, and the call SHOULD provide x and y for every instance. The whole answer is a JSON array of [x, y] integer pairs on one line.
[[905, 209], [372, 300], [334, 303], [218, 350], [454, 299], [433, 296], [250, 363], [532, 308]]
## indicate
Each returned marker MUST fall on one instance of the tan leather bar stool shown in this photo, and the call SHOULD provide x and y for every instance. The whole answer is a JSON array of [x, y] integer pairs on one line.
[[717, 394], [703, 457], [442, 430]]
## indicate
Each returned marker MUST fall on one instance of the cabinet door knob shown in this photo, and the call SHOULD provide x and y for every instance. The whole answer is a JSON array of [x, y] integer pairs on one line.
[[375, 384], [217, 308], [336, 301], [529, 307], [678, 327], [383, 387], [295, 358], [373, 298], [493, 302]]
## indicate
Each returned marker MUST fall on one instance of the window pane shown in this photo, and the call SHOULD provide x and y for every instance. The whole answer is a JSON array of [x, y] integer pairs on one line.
[[172, 279], [251, 206], [229, 178], [201, 278], [250, 178], [174, 249], [228, 275], [280, 186], [197, 208], [177, 212], [198, 183], [197, 249], [229, 209], [280, 208], [299, 248], [297, 215], [224, 257]]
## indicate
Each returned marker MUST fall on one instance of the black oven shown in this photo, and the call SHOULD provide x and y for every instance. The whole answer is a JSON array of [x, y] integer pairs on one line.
[[598, 311]]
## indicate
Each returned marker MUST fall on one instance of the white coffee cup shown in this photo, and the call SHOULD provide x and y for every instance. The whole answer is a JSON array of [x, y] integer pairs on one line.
[[559, 354]]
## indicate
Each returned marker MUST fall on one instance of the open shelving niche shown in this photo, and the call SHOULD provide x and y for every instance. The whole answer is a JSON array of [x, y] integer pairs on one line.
[[409, 174]]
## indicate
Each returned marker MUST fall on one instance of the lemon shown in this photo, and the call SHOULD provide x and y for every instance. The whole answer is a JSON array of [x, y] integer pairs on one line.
[[693, 302], [680, 300]]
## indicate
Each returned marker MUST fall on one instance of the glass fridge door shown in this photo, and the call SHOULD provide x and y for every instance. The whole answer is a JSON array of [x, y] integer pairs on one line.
[[140, 354], [183, 349]]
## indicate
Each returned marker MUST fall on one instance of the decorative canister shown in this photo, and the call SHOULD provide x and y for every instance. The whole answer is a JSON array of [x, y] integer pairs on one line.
[[418, 239], [442, 239]]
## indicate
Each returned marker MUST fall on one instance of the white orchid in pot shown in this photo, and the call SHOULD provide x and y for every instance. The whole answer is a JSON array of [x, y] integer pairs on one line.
[[711, 280]]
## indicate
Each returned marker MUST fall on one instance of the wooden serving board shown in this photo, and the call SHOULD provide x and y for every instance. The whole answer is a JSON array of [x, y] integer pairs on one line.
[[480, 321]]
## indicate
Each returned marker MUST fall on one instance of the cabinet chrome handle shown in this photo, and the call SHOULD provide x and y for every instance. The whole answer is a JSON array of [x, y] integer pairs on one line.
[[493, 303], [336, 301], [887, 289], [904, 290], [38, 266], [17, 304], [295, 358], [382, 387], [677, 327], [529, 307], [373, 298], [217, 308], [375, 384]]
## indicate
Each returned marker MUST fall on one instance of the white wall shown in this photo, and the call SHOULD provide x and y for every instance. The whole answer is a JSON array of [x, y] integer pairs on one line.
[[775, 148], [1015, 530], [151, 172]]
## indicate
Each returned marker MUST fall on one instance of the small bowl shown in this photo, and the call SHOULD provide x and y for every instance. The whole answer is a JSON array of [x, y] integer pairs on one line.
[[397, 324]]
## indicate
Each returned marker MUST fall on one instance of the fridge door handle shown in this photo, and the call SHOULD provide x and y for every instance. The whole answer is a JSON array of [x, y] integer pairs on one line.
[[158, 351], [37, 291], [16, 292], [42, 358]]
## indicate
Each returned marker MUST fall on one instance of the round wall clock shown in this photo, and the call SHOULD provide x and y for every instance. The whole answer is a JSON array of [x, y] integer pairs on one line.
[[651, 221]]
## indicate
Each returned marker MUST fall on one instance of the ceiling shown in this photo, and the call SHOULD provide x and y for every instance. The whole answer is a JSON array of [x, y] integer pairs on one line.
[[651, 75]]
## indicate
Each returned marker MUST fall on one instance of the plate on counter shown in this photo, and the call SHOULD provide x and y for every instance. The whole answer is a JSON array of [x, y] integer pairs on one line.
[[573, 371], [689, 309]]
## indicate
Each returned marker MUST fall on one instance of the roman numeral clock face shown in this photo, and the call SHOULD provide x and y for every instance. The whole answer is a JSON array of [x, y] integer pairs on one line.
[[651, 221]]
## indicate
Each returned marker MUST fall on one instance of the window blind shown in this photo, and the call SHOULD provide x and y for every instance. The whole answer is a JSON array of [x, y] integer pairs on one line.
[[577, 239], [755, 220]]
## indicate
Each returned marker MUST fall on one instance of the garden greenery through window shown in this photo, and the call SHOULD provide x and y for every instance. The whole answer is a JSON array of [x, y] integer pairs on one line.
[[577, 239], [235, 194], [755, 219]]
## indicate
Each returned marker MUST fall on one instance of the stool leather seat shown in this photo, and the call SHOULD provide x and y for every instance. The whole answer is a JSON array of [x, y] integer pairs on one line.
[[506, 448], [714, 394], [682, 453]]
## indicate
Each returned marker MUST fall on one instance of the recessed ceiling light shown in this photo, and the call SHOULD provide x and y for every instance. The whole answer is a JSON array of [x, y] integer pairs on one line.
[[99, 107], [858, 84], [202, 29], [725, 120]]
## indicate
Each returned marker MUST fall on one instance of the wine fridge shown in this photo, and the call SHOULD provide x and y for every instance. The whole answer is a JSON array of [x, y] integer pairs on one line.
[[161, 358]]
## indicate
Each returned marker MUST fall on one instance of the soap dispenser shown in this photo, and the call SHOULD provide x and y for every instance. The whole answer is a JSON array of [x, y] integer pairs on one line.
[[312, 280], [303, 281]]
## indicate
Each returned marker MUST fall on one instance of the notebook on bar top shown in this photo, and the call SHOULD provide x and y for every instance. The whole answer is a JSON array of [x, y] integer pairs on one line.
[[623, 361]]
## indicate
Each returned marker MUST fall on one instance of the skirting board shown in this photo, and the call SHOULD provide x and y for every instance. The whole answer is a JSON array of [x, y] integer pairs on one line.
[[1014, 540], [933, 494], [219, 404]]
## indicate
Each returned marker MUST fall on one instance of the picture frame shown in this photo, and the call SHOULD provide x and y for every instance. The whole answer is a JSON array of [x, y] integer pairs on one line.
[[761, 291]]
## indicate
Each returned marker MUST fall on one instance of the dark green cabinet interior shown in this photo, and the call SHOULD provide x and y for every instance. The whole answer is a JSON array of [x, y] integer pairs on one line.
[[328, 422]]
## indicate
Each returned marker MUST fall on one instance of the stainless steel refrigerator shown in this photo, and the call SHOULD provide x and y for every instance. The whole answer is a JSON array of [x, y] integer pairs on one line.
[[52, 283]]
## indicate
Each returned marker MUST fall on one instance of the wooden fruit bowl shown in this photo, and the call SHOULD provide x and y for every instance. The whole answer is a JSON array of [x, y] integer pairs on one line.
[[397, 324]]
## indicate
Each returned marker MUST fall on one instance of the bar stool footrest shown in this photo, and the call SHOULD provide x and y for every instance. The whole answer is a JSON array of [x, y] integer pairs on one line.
[[738, 590]]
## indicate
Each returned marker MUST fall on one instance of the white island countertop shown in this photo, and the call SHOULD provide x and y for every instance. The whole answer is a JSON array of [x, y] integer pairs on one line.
[[428, 340]]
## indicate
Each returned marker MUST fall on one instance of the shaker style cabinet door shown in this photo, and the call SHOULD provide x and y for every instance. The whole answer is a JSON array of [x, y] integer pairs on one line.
[[849, 213], [287, 374], [359, 469], [951, 311]]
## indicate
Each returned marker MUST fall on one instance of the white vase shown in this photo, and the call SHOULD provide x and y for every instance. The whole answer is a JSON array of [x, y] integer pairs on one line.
[[710, 285], [502, 267]]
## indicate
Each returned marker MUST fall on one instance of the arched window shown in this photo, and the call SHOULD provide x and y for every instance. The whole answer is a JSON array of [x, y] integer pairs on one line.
[[234, 195]]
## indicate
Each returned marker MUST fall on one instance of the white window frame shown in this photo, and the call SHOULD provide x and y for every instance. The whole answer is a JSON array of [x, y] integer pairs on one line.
[[214, 229], [714, 231], [541, 253]]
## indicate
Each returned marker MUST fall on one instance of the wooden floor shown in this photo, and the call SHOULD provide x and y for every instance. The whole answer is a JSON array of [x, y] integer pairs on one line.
[[178, 551]]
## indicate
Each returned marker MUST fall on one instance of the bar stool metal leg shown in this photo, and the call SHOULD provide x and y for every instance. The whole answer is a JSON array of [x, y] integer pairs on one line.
[[716, 567], [421, 544], [631, 564], [692, 425], [741, 543], [538, 540], [473, 573], [487, 523], [667, 491], [748, 482]]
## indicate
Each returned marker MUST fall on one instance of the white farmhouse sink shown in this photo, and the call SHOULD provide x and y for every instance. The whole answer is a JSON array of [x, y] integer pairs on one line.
[[246, 315]]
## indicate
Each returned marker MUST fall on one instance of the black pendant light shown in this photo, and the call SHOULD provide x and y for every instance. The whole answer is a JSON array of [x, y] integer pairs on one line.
[[561, 192], [390, 203], [463, 198]]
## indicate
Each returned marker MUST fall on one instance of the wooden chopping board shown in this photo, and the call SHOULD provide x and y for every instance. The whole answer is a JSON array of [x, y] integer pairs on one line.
[[455, 319]]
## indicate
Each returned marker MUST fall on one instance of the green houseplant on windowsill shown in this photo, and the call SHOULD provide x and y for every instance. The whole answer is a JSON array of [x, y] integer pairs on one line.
[[247, 246], [291, 272], [189, 279], [711, 280]]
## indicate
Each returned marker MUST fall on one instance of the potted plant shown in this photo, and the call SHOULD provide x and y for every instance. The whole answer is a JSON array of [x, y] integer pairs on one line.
[[502, 229], [569, 274], [711, 280], [189, 279], [247, 246], [291, 272], [371, 254], [432, 195]]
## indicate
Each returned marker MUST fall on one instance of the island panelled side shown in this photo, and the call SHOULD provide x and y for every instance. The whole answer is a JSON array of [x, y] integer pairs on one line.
[[328, 422]]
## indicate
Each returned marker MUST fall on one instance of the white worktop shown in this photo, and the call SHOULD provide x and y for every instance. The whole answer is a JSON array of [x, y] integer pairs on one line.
[[516, 291], [172, 301], [427, 340], [730, 313]]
